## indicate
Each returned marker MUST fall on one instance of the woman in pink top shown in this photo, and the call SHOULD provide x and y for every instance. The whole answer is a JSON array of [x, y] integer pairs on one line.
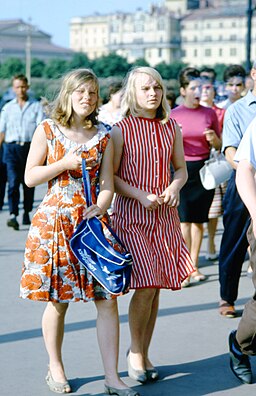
[[200, 131], [145, 215]]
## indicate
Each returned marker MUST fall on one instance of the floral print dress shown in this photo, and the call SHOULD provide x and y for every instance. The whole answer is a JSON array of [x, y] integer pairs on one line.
[[50, 271]]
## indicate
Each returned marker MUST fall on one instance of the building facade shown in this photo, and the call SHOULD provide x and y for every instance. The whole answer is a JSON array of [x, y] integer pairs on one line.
[[153, 35], [216, 35], [197, 32]]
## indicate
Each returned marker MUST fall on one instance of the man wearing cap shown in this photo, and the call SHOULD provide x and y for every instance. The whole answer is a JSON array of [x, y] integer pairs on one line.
[[18, 121], [236, 218]]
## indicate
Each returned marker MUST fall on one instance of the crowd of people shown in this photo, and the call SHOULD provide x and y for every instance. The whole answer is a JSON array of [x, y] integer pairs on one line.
[[144, 150]]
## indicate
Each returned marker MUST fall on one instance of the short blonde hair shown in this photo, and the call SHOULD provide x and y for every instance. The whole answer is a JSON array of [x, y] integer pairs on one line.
[[61, 108], [129, 103]]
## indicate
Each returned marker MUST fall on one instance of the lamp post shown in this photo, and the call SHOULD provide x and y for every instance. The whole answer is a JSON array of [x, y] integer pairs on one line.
[[28, 53], [250, 11]]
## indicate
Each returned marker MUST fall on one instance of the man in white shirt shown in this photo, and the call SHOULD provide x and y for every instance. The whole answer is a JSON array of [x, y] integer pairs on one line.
[[19, 119]]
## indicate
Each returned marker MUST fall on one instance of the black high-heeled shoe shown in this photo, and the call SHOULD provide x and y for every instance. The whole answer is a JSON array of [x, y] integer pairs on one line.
[[152, 374], [110, 390], [137, 375]]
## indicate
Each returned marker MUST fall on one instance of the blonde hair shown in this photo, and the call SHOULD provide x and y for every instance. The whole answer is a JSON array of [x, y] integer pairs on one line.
[[129, 103], [61, 109]]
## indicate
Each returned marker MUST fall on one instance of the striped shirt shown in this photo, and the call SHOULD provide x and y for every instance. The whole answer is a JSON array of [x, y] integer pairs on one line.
[[161, 258]]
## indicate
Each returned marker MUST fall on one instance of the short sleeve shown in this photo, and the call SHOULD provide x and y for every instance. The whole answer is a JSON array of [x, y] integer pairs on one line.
[[3, 119], [247, 147], [232, 135]]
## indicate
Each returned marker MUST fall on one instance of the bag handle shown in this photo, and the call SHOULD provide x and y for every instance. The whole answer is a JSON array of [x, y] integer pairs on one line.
[[88, 198], [87, 184]]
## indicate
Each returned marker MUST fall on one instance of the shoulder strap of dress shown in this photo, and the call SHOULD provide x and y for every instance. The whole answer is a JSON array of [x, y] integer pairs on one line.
[[48, 130]]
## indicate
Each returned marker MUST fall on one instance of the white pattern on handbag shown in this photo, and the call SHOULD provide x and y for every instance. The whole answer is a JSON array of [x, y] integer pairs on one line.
[[215, 171]]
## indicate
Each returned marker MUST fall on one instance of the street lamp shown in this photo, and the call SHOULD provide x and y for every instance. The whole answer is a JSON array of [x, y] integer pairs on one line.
[[28, 52]]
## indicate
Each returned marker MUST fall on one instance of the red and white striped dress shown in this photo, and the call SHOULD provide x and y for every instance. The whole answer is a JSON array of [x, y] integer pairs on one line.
[[161, 258]]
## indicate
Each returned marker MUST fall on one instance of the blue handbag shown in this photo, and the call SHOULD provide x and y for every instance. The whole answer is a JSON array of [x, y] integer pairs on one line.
[[110, 267]]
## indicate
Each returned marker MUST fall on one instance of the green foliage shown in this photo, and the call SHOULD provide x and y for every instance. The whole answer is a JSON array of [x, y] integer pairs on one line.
[[170, 71], [219, 68], [55, 68], [37, 67], [140, 62], [110, 65], [11, 67], [80, 60]]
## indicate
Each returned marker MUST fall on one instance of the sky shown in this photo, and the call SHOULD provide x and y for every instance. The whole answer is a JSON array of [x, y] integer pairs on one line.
[[53, 16]]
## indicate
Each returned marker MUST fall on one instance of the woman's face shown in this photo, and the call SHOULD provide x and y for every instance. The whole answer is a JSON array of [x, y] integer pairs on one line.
[[234, 88], [192, 93], [84, 99], [148, 94], [208, 93]]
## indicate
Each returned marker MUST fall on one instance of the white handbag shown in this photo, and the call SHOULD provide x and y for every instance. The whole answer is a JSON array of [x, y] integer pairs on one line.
[[215, 171]]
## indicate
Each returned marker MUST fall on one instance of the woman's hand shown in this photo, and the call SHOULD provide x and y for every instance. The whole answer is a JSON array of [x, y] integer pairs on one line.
[[73, 160], [148, 200], [92, 211], [170, 197], [212, 138]]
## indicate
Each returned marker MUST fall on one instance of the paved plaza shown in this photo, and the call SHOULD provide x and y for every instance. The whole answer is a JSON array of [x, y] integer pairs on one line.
[[189, 346]]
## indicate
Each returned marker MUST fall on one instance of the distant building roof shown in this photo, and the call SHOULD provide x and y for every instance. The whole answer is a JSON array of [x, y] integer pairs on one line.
[[220, 12], [14, 35]]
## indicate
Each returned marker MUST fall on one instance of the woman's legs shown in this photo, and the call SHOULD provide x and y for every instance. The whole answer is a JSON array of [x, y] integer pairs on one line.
[[53, 333], [212, 227], [193, 235], [150, 328], [142, 317], [108, 339], [197, 231], [186, 232]]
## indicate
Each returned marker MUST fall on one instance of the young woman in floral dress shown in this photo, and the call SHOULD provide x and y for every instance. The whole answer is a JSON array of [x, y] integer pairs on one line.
[[51, 272]]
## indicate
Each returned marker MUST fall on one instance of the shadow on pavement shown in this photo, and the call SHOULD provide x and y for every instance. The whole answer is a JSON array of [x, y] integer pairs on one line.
[[203, 377]]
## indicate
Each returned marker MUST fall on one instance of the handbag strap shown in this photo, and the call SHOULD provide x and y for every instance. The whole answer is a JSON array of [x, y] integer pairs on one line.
[[87, 184], [88, 198]]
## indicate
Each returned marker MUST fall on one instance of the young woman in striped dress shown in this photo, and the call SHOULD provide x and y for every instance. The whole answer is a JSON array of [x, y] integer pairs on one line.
[[145, 216]]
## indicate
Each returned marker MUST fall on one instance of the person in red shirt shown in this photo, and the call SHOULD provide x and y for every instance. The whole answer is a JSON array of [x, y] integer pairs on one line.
[[200, 131]]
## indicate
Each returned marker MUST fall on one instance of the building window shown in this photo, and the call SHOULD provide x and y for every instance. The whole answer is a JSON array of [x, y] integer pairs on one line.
[[220, 52], [208, 52], [161, 24], [195, 52], [233, 37], [160, 52], [221, 24], [208, 25], [232, 51], [139, 26]]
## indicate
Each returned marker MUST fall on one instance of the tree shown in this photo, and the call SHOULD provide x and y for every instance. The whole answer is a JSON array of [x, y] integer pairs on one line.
[[110, 65], [170, 71], [219, 68], [55, 68], [140, 62], [37, 67], [11, 67], [79, 60]]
